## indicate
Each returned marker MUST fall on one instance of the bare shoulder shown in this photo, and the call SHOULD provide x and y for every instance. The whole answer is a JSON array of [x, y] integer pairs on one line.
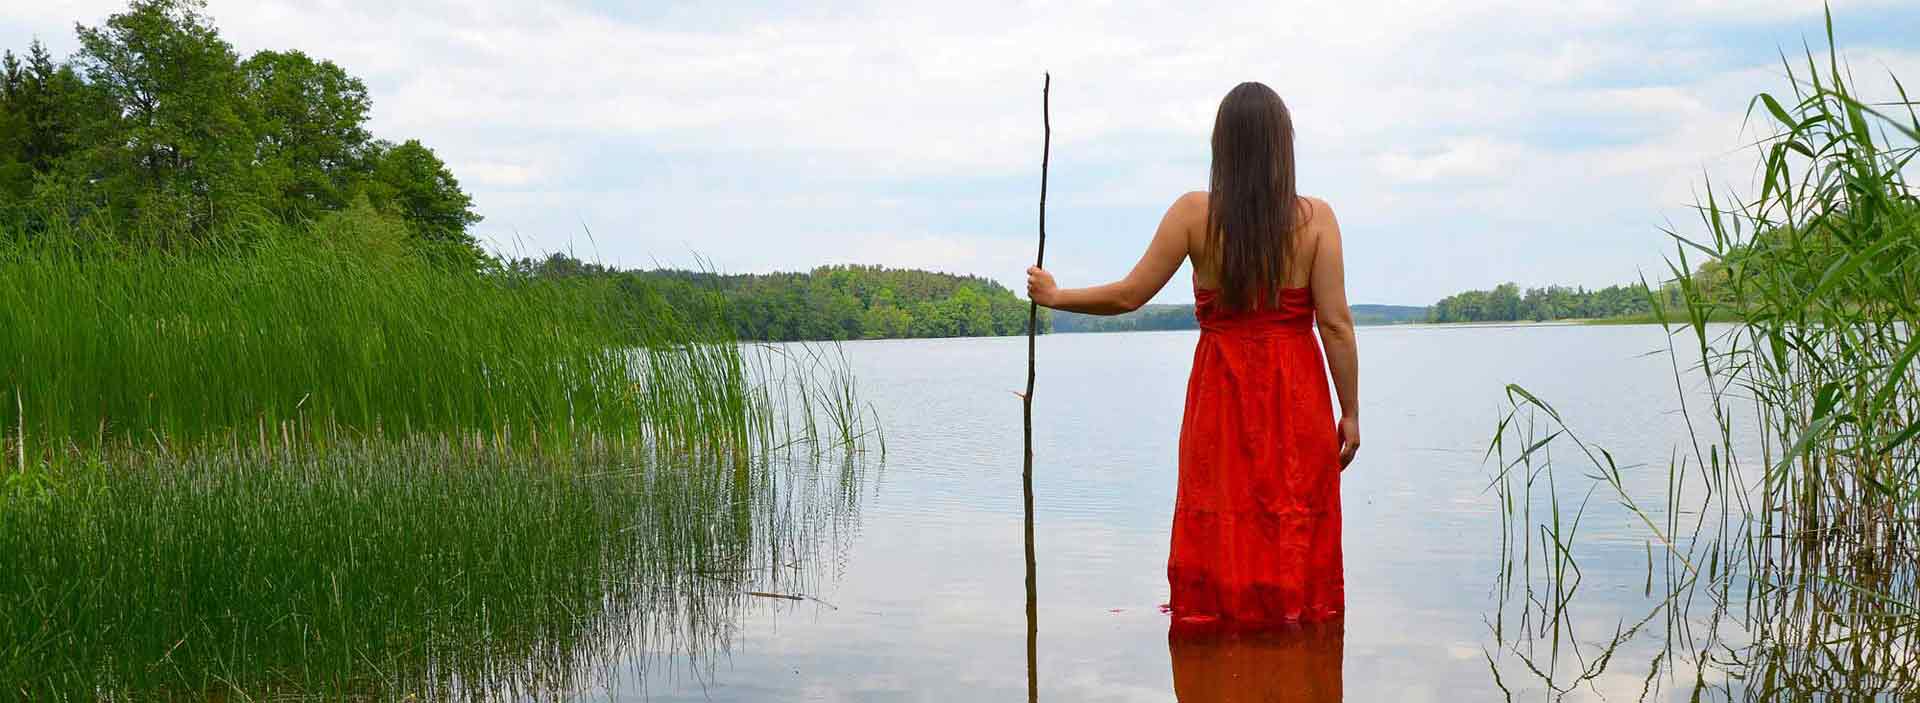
[[1189, 213], [1320, 221], [1191, 204], [1317, 208]]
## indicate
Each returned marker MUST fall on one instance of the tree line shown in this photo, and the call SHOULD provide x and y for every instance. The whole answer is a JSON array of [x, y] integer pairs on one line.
[[1507, 302], [1152, 317], [1180, 316], [826, 303], [158, 131]]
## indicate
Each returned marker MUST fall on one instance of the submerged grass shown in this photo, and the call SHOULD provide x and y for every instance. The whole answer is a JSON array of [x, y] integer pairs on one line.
[[319, 574], [375, 570], [1794, 517]]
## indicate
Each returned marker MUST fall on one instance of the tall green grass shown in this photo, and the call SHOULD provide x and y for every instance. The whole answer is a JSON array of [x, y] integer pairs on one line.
[[1793, 519], [289, 329], [380, 569], [100, 345], [314, 463]]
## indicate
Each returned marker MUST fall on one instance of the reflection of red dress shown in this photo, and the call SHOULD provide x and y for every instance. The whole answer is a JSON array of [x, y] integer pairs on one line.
[[1293, 664], [1256, 526]]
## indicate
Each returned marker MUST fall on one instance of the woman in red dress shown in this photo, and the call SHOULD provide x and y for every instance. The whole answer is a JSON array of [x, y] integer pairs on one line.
[[1256, 525]]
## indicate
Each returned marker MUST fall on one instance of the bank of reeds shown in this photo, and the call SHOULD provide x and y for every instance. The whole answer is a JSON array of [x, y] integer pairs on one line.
[[379, 569], [102, 345], [1791, 519], [311, 463]]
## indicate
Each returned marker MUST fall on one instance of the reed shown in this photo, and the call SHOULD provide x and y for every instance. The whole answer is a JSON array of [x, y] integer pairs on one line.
[[314, 463], [99, 344], [1795, 514], [1823, 270], [327, 332], [438, 568]]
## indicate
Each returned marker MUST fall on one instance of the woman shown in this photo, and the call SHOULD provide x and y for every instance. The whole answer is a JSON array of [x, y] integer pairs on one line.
[[1256, 526]]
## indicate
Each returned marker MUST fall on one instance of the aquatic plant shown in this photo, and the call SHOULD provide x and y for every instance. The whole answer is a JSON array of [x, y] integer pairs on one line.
[[442, 568], [1794, 515], [99, 344], [308, 463]]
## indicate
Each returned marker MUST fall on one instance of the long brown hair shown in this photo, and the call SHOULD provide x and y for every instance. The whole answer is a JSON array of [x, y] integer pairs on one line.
[[1252, 209]]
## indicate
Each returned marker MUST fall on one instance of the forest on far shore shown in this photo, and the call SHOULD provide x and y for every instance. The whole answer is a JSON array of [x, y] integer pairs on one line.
[[826, 303], [1179, 316], [1507, 302]]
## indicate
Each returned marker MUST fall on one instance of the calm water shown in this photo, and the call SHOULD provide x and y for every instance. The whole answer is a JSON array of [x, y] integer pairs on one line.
[[924, 600]]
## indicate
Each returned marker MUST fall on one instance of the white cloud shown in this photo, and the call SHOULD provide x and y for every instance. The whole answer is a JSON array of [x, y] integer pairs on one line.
[[1461, 160], [498, 173], [1550, 138]]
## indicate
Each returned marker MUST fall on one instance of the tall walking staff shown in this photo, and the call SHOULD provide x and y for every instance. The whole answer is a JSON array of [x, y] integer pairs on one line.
[[1026, 474]]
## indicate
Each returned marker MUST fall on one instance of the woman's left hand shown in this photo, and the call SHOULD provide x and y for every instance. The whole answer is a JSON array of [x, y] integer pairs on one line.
[[1349, 430], [1040, 286]]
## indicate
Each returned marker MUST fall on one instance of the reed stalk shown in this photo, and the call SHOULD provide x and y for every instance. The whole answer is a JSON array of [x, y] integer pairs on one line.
[[284, 466], [1796, 513]]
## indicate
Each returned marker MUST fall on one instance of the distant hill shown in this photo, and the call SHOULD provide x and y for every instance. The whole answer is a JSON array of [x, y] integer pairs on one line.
[[1180, 317]]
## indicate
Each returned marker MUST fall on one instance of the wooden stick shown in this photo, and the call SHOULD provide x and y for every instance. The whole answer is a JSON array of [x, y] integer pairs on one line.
[[1026, 474]]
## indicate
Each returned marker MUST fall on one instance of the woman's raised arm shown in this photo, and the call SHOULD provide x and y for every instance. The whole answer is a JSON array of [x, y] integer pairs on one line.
[[1164, 255]]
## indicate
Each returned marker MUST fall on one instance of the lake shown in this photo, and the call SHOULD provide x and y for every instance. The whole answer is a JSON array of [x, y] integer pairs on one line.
[[921, 596]]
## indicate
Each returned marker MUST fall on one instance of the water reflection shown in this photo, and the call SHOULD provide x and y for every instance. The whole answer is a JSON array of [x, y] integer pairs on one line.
[[710, 547], [930, 605], [774, 541], [1744, 591], [1296, 665]]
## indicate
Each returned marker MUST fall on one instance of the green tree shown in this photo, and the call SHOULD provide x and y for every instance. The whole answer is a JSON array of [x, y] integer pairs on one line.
[[973, 311], [156, 130], [43, 106], [174, 85], [886, 321], [411, 180], [50, 99], [16, 173], [1536, 306], [310, 143], [1504, 302]]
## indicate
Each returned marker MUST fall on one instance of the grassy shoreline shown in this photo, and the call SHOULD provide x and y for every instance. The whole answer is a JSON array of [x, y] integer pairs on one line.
[[287, 468]]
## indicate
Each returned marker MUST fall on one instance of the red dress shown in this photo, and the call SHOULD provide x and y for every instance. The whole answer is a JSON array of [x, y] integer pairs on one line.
[[1256, 526]]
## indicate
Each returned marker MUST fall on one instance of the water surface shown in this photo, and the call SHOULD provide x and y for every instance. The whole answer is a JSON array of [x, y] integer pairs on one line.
[[924, 600]]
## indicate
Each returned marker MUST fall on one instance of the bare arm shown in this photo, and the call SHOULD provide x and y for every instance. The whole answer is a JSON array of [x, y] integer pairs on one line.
[[1164, 256], [1329, 281]]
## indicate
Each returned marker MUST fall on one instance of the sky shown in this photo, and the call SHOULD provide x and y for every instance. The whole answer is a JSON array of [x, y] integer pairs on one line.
[[1461, 144]]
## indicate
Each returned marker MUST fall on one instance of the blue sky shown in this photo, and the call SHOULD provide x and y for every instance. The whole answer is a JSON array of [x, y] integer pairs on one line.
[[1461, 144]]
